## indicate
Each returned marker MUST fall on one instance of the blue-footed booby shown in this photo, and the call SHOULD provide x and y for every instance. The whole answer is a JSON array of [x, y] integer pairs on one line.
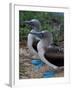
[[53, 56], [32, 39]]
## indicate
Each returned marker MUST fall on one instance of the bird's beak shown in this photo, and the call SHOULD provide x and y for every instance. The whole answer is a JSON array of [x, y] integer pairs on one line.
[[37, 34], [27, 22]]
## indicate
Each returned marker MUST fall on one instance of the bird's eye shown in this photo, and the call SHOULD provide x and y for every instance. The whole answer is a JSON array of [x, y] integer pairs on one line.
[[31, 23]]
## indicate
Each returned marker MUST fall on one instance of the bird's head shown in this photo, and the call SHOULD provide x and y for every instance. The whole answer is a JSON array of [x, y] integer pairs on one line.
[[34, 24]]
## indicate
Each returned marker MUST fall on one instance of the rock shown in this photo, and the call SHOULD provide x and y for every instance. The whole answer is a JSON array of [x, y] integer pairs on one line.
[[27, 64], [36, 75]]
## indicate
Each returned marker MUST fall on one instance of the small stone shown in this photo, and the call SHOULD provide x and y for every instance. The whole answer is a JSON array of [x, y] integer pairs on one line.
[[27, 64]]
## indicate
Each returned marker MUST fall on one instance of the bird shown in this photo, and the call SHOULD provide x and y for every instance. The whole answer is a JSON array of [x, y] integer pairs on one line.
[[32, 41], [51, 55]]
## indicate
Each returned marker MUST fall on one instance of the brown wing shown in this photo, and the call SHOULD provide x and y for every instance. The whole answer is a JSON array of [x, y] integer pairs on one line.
[[34, 45], [55, 56]]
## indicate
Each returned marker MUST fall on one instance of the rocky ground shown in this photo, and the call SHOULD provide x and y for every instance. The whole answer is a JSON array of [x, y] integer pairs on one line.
[[26, 69]]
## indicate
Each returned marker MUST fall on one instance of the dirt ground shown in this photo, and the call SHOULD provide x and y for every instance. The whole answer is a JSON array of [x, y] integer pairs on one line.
[[26, 69]]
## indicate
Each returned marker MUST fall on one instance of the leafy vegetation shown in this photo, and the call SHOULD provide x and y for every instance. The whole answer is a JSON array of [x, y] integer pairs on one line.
[[51, 21]]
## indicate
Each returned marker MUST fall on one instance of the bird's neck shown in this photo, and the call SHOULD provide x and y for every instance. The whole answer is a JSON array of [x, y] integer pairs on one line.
[[36, 28], [31, 37]]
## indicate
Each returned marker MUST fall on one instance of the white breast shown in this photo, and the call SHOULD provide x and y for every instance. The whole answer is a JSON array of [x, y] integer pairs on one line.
[[30, 41]]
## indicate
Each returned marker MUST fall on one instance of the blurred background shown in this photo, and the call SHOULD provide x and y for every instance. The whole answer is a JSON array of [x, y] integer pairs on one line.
[[51, 21]]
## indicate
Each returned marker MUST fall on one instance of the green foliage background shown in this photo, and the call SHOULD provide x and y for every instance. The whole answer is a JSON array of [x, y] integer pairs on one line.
[[45, 18]]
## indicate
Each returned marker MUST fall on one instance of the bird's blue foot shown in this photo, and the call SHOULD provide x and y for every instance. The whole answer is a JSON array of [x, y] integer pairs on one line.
[[48, 74], [37, 63]]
